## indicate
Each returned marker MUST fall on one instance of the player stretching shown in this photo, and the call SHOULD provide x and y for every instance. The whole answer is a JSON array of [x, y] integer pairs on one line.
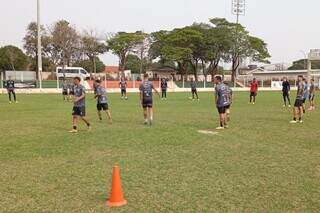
[[65, 90], [11, 90], [146, 99], [102, 103], [286, 92], [222, 101], [164, 87], [298, 105], [79, 108], [194, 89], [123, 87], [312, 93], [253, 91]]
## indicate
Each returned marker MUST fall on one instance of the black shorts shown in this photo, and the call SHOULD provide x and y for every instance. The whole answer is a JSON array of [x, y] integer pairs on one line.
[[79, 111], [71, 93], [253, 94], [123, 91], [227, 107], [285, 93], [298, 103], [64, 92], [304, 101], [311, 97], [221, 110], [103, 107], [147, 103]]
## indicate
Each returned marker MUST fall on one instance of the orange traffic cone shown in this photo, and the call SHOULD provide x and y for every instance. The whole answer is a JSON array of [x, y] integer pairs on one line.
[[116, 198]]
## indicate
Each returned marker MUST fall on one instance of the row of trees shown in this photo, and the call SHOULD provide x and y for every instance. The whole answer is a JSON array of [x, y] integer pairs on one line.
[[200, 47]]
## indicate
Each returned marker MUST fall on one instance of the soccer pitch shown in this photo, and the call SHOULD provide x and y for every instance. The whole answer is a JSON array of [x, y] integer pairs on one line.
[[260, 164]]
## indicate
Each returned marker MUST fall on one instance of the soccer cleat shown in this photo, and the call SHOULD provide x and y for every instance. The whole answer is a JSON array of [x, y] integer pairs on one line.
[[17, 102], [73, 131], [89, 128], [253, 103], [10, 102], [145, 122], [301, 121], [293, 122], [220, 128], [284, 106]]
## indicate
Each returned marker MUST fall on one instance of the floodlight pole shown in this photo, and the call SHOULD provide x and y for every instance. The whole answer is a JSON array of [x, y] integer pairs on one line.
[[39, 45]]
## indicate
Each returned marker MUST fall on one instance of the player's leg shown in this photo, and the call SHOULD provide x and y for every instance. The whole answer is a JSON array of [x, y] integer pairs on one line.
[[196, 92], [254, 98], [289, 101], [150, 115], [85, 120], [145, 114], [99, 108], [250, 101], [193, 93], [108, 113], [300, 113], [9, 93], [228, 112], [14, 96], [284, 95], [74, 123]]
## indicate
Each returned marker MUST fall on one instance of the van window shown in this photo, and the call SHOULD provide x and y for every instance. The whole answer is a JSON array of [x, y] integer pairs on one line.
[[83, 72]]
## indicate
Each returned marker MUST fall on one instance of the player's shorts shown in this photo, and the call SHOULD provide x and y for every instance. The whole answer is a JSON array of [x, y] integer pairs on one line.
[[304, 101], [253, 94], [193, 90], [71, 93], [64, 92], [10, 90], [298, 103], [79, 111], [148, 103], [103, 107], [311, 97], [227, 107], [123, 91], [221, 109], [285, 93]]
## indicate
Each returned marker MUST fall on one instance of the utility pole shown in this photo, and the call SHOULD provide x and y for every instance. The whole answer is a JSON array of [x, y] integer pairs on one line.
[[39, 45], [238, 8]]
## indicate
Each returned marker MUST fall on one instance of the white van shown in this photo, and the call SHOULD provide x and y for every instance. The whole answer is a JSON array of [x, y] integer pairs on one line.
[[71, 72]]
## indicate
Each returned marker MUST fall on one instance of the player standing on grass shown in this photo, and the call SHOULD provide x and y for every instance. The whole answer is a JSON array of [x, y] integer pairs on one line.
[[312, 93], [228, 107], [102, 102], [71, 90], [65, 90], [194, 91], [222, 101], [146, 99], [286, 92], [298, 105], [164, 87], [79, 107], [253, 91], [11, 90], [305, 94], [123, 87]]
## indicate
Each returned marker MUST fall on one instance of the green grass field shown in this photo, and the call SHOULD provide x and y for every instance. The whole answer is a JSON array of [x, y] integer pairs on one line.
[[261, 164]]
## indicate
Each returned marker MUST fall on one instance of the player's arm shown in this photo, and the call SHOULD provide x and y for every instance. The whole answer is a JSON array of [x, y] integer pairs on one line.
[[81, 97], [216, 96], [156, 91]]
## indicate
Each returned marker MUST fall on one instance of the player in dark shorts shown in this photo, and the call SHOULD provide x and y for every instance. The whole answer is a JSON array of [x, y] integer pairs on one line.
[[222, 101], [228, 107], [102, 102], [286, 92], [305, 94], [79, 107], [123, 87], [312, 93], [253, 91], [194, 90], [95, 86], [164, 88], [11, 90], [146, 99], [65, 90], [71, 90], [298, 105]]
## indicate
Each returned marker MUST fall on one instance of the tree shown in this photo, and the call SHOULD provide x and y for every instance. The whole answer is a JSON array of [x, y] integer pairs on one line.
[[87, 65], [12, 58], [122, 44], [92, 47], [31, 46], [65, 42], [133, 63], [242, 44]]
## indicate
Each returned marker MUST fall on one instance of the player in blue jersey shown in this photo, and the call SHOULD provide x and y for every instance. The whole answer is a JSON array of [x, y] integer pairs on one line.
[[222, 100], [146, 99], [102, 101]]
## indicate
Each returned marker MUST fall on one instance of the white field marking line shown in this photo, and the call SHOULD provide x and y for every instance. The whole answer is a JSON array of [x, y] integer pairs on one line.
[[207, 132]]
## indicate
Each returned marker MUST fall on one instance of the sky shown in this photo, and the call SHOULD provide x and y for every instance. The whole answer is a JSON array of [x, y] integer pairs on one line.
[[289, 27]]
